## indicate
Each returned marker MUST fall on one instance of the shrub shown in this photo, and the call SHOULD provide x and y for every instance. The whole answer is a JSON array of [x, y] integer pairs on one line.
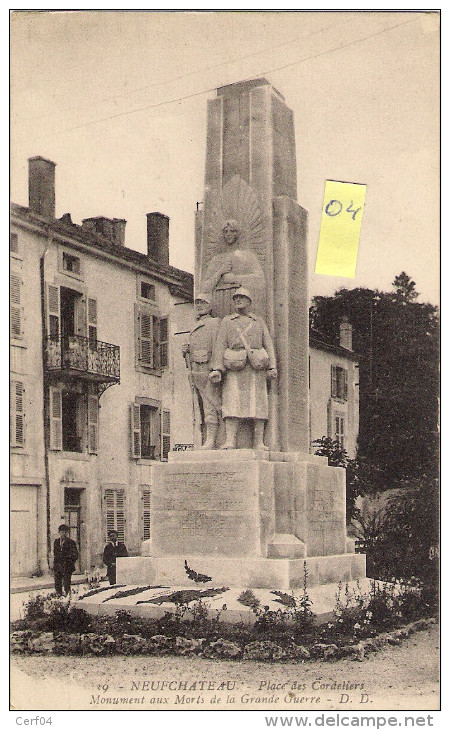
[[290, 623], [337, 456], [248, 598], [401, 540]]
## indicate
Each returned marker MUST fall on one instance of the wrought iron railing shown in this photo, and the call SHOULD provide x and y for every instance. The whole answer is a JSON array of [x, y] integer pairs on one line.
[[85, 355]]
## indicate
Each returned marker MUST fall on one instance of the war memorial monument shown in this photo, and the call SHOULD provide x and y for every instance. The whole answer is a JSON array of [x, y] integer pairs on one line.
[[256, 509]]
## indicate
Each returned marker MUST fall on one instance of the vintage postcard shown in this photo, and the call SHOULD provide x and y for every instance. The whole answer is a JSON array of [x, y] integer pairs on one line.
[[224, 291]]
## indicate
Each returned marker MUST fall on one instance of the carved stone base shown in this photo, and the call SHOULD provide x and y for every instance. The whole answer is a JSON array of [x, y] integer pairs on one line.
[[247, 572], [245, 517], [244, 503]]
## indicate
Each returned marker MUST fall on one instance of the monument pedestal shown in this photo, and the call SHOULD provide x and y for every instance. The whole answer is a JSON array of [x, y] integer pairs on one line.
[[254, 519]]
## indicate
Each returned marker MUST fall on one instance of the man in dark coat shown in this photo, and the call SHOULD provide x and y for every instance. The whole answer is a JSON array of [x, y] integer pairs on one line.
[[113, 550], [65, 554]]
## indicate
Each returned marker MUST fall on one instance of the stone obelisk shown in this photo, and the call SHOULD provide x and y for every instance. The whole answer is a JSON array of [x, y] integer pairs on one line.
[[250, 175]]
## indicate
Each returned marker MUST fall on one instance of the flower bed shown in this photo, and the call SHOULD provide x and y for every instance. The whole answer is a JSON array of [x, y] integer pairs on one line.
[[361, 623]]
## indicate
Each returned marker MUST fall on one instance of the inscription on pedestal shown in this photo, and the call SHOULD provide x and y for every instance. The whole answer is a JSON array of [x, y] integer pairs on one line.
[[326, 521], [201, 510], [212, 490]]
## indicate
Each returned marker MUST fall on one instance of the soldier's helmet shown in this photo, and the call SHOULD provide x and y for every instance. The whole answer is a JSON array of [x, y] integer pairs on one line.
[[242, 292]]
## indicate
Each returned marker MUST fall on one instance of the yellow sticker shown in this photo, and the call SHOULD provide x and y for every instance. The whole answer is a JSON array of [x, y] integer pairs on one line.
[[343, 206]]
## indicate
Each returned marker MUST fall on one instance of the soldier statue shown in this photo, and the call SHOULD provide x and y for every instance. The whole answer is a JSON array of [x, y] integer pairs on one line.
[[198, 354]]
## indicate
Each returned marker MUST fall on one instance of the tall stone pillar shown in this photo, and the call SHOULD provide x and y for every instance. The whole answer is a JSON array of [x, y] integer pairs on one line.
[[250, 176]]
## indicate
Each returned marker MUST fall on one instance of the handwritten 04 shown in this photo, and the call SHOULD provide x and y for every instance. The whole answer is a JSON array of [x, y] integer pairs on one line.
[[340, 228]]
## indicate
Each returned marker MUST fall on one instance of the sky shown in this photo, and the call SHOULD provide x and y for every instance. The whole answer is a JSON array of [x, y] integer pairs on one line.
[[118, 101]]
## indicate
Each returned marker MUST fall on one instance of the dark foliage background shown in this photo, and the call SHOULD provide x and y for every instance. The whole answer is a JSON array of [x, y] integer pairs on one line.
[[397, 339]]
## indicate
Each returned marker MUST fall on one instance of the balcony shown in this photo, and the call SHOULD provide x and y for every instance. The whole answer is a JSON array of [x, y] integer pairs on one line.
[[84, 358]]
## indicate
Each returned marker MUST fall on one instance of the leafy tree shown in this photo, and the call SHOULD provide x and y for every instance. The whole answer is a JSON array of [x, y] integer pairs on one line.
[[405, 288], [397, 340]]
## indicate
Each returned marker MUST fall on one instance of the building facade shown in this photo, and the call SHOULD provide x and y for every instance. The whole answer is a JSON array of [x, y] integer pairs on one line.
[[334, 390], [99, 389], [92, 376]]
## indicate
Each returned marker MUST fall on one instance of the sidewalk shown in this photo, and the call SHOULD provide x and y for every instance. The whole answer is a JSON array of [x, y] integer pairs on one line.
[[24, 584]]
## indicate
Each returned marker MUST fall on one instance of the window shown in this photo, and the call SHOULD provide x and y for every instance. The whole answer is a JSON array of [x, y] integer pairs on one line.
[[13, 243], [71, 263], [17, 416], [114, 500], [72, 405], [152, 343], [148, 291], [145, 417], [147, 430], [145, 514], [73, 420], [339, 430], [15, 304], [339, 387]]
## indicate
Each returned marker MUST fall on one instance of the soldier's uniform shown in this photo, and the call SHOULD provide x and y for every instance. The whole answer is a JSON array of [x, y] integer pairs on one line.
[[201, 343]]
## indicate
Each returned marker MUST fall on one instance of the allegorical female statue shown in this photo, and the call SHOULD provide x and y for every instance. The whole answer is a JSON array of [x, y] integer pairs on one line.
[[234, 247], [228, 271]]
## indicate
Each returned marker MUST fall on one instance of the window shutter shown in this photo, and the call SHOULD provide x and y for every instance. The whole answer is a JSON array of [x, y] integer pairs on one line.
[[135, 431], [93, 424], [145, 338], [55, 418], [81, 317], [17, 434], [345, 376], [92, 323], [13, 243], [110, 504], [146, 514], [115, 512], [334, 385], [337, 430], [163, 342], [16, 309], [53, 312], [120, 514], [329, 421], [155, 323], [165, 431]]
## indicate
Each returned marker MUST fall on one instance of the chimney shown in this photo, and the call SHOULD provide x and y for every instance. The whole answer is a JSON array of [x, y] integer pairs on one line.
[[119, 231], [345, 334], [112, 228], [158, 237], [41, 186]]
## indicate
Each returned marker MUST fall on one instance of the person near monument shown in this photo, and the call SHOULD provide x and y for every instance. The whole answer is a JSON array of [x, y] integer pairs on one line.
[[198, 352], [244, 357], [228, 271], [65, 553], [113, 550]]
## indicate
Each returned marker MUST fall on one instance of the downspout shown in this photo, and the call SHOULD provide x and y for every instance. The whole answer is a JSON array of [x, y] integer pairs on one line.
[[45, 409]]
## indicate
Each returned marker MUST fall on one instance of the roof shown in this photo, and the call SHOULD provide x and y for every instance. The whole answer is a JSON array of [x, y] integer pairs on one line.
[[182, 282], [319, 342]]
